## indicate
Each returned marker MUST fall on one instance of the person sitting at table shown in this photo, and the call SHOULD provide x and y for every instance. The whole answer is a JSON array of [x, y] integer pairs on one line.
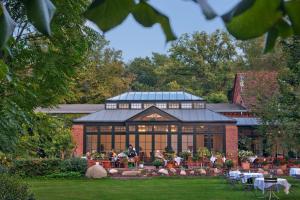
[[132, 155]]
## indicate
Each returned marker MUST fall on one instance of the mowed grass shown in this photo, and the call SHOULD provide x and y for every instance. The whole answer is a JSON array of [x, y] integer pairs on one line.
[[147, 189]]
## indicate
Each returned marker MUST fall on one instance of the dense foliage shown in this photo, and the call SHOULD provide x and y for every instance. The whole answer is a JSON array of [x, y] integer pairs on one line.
[[12, 188], [48, 167], [200, 63]]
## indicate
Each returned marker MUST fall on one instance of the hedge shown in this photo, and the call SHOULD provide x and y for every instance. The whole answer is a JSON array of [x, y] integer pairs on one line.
[[43, 167]]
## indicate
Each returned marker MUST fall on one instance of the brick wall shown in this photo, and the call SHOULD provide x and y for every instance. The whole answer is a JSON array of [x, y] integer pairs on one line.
[[232, 143], [77, 133]]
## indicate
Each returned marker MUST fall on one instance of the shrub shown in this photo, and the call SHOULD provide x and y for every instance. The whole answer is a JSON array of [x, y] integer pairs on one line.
[[74, 165], [158, 163], [64, 175], [36, 167], [3, 169], [229, 164], [12, 188]]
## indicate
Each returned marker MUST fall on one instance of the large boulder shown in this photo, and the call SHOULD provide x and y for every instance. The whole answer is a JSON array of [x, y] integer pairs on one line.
[[172, 170], [96, 171], [113, 171], [182, 172], [131, 173], [163, 171]]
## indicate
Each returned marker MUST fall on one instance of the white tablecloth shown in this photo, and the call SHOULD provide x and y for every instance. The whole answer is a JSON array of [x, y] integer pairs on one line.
[[294, 171], [235, 174], [251, 175], [260, 184]]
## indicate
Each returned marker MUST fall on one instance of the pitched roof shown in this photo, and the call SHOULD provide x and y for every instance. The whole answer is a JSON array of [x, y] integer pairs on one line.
[[185, 115], [249, 85], [72, 109], [154, 96], [225, 107]]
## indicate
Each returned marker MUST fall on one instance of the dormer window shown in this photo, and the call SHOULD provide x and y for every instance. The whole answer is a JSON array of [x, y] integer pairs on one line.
[[161, 105], [136, 106], [111, 106], [186, 105]]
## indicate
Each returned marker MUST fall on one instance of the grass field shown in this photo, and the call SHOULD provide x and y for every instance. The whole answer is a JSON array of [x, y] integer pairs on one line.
[[156, 188]]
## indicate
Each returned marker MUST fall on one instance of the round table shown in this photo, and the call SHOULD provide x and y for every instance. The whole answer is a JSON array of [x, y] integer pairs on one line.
[[260, 184], [251, 175], [294, 171]]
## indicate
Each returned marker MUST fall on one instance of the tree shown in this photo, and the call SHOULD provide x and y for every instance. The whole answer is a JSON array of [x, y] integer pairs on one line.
[[248, 19], [104, 76], [48, 137], [40, 68], [281, 114]]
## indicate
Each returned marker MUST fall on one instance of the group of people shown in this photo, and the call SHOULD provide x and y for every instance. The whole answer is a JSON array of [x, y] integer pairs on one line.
[[130, 154]]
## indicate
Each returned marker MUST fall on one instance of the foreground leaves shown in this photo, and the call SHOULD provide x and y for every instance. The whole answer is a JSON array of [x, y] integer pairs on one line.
[[7, 26]]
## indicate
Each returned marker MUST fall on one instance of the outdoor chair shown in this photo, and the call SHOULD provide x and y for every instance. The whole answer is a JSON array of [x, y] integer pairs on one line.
[[270, 191]]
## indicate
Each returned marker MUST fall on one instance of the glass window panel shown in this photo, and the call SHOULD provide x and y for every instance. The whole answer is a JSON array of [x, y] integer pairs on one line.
[[174, 105], [136, 106], [105, 129], [186, 105], [91, 143], [173, 129], [161, 142], [217, 140], [187, 129], [91, 129], [105, 143], [132, 128], [144, 128], [120, 143], [201, 129], [174, 142], [161, 105], [132, 139], [208, 142], [187, 142], [199, 141], [199, 105], [120, 129], [111, 106], [145, 145], [160, 128], [123, 105], [148, 105]]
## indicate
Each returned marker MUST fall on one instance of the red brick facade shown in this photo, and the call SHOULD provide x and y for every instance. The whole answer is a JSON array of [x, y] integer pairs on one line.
[[232, 143], [77, 132]]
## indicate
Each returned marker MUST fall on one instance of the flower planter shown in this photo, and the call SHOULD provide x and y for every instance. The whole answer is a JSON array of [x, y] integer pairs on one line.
[[245, 165], [106, 164]]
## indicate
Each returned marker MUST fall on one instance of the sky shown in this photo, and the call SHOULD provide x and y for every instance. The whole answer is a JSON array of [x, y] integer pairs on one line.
[[185, 17]]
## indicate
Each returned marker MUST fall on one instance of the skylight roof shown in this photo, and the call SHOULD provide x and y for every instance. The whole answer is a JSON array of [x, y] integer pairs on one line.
[[155, 96]]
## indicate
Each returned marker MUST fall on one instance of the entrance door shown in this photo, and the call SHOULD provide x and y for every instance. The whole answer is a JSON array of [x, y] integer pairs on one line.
[[145, 146]]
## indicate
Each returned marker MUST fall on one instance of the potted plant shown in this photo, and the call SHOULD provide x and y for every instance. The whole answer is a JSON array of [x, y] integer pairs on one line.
[[185, 155], [243, 156], [203, 153], [124, 162], [141, 164], [229, 164], [157, 163]]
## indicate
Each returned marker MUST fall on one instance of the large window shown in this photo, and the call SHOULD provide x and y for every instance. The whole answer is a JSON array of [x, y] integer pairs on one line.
[[123, 105], [105, 143], [208, 142], [160, 128], [161, 142], [186, 105], [174, 143], [120, 143], [187, 142], [111, 106], [173, 105], [161, 105], [136, 106], [145, 145], [144, 128], [91, 143]]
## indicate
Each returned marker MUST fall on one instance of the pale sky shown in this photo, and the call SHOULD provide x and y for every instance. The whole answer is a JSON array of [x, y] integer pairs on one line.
[[185, 17]]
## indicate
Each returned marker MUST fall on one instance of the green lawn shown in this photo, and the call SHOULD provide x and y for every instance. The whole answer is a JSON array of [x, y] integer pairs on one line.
[[156, 188]]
